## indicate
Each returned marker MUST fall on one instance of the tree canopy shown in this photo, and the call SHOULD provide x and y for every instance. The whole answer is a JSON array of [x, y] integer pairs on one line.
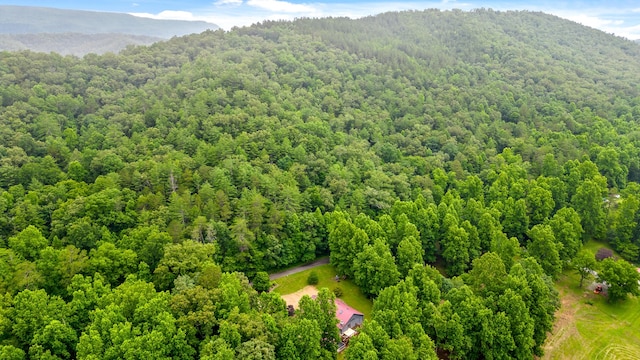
[[140, 191]]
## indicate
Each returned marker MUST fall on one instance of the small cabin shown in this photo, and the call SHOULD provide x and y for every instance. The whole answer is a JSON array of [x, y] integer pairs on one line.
[[348, 317]]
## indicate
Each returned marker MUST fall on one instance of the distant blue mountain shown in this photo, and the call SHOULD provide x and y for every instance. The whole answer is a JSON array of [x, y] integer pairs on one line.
[[31, 20], [75, 32]]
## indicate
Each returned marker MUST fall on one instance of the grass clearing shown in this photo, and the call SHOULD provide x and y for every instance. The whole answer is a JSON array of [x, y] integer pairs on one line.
[[326, 278], [594, 245], [589, 327]]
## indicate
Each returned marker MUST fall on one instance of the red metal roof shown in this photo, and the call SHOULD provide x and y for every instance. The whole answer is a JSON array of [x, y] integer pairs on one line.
[[344, 312]]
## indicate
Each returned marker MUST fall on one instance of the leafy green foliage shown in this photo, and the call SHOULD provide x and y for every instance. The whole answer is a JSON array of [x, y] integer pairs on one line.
[[256, 349], [10, 352], [544, 249], [375, 268], [312, 279], [134, 308], [584, 263], [322, 311], [28, 243], [621, 277], [626, 233], [261, 281], [140, 191]]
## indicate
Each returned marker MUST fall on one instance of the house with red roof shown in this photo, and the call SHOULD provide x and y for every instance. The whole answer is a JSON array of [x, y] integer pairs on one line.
[[348, 317]]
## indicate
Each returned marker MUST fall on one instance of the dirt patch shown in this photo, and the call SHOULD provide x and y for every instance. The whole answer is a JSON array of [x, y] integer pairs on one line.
[[293, 298], [565, 324]]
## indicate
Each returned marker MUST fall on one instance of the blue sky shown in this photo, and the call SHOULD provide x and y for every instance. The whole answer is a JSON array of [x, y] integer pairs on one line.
[[620, 17]]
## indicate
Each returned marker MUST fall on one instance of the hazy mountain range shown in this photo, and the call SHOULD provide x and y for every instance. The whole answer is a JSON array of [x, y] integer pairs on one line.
[[80, 32]]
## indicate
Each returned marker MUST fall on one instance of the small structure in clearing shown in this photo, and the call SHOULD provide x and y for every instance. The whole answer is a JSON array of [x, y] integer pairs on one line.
[[348, 319]]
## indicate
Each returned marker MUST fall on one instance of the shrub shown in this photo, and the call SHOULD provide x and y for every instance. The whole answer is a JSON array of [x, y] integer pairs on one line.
[[261, 282], [337, 291], [603, 253], [313, 278]]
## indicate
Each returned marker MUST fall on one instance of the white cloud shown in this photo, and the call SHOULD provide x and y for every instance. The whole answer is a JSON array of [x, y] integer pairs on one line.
[[170, 15], [228, 2], [358, 10], [228, 21], [629, 32], [593, 21], [609, 22], [225, 20], [281, 6]]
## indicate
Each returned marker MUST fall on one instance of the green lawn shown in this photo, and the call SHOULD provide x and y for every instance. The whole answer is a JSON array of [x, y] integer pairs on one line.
[[326, 278], [594, 245], [589, 327]]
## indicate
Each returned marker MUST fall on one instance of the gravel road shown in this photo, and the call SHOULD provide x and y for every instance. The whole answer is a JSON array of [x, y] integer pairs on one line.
[[297, 269]]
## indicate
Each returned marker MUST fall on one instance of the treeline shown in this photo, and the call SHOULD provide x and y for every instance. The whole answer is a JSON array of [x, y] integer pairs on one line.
[[73, 43], [139, 191]]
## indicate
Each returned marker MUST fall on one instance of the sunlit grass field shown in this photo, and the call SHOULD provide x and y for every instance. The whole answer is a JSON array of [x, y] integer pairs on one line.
[[589, 327]]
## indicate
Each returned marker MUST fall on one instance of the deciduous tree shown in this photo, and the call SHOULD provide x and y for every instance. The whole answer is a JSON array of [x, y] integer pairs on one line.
[[584, 263], [544, 249], [375, 268], [621, 278]]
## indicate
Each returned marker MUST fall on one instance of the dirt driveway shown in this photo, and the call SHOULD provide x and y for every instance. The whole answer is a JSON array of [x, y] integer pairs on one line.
[[321, 261], [293, 298]]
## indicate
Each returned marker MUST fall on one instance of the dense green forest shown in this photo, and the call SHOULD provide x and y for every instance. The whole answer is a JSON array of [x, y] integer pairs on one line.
[[450, 163], [73, 43]]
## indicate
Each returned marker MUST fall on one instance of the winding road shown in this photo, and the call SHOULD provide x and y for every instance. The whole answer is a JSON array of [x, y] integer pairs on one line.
[[297, 269]]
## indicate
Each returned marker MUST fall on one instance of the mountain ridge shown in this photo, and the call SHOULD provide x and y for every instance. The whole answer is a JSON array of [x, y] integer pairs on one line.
[[78, 32], [73, 43], [30, 20]]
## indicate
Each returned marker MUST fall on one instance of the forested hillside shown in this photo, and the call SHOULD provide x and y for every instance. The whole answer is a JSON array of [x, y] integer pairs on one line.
[[140, 192], [73, 43]]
